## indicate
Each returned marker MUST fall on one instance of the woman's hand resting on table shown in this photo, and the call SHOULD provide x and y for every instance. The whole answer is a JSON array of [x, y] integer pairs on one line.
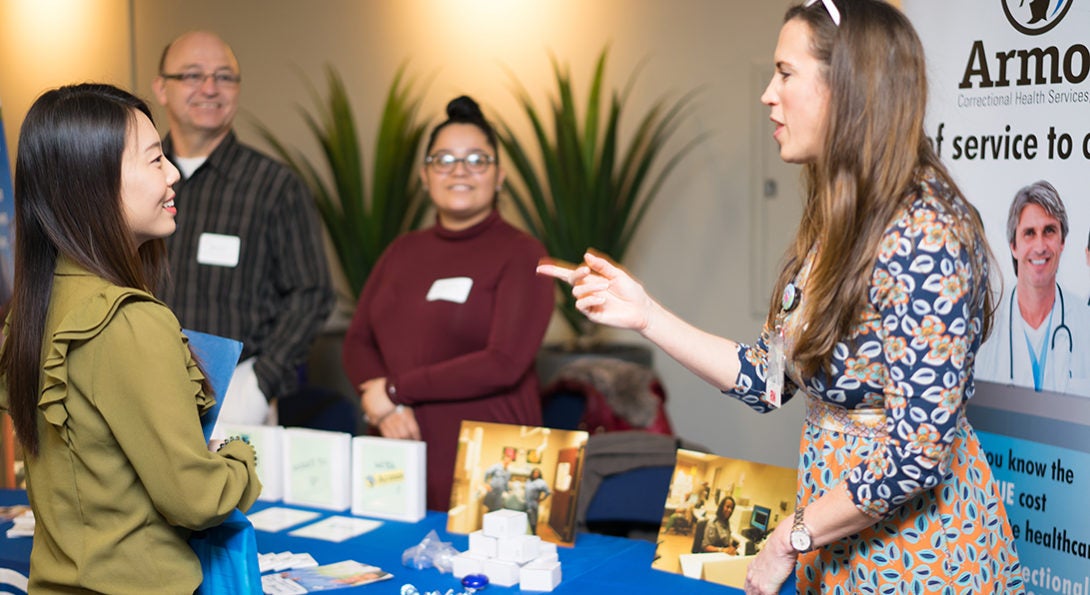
[[775, 562], [392, 421], [604, 292]]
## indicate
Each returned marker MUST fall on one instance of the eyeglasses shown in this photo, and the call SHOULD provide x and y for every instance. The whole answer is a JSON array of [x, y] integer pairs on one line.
[[444, 163], [196, 79], [829, 7]]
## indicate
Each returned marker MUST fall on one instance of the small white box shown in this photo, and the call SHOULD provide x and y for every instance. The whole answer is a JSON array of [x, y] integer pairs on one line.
[[545, 558], [388, 478], [467, 563], [501, 572], [546, 547], [520, 549], [483, 545], [505, 523], [539, 576], [317, 468]]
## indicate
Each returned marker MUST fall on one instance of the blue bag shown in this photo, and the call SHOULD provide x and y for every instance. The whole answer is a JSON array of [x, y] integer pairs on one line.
[[228, 555]]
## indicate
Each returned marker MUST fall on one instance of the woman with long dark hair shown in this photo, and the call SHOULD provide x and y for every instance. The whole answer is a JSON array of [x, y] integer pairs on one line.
[[103, 390]]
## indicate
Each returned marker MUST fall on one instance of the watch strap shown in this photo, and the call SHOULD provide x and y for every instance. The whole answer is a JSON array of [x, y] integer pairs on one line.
[[800, 527]]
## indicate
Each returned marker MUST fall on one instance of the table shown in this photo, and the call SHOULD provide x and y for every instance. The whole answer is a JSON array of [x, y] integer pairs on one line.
[[596, 564]]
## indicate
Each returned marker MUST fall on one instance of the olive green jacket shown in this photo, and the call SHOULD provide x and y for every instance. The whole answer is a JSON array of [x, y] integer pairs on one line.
[[123, 473]]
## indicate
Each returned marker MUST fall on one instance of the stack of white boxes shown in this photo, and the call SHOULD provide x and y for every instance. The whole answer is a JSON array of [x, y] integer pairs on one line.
[[508, 556]]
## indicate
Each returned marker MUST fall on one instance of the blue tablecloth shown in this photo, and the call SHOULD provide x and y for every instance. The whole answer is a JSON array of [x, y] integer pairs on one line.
[[596, 564]]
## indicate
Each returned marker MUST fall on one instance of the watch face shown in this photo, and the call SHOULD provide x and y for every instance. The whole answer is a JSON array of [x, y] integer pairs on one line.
[[800, 540]]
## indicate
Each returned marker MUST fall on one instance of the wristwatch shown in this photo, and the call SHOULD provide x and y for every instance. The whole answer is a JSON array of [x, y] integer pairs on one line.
[[800, 535]]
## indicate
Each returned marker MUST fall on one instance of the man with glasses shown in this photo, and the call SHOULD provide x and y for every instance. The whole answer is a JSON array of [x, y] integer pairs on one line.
[[247, 258]]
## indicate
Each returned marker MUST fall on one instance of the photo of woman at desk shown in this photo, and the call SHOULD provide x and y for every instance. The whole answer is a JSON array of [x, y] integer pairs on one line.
[[717, 515], [717, 534]]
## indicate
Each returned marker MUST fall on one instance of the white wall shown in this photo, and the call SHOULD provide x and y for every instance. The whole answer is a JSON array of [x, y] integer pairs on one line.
[[696, 251]]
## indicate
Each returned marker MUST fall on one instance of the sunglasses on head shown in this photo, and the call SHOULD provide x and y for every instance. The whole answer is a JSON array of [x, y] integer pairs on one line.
[[829, 7]]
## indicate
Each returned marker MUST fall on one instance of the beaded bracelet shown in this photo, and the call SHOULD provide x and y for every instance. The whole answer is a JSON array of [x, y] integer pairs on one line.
[[245, 439]]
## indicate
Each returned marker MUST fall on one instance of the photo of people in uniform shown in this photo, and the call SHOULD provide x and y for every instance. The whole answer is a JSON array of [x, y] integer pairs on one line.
[[524, 468]]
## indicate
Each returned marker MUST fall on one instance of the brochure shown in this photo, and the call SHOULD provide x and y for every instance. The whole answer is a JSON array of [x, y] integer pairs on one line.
[[340, 575]]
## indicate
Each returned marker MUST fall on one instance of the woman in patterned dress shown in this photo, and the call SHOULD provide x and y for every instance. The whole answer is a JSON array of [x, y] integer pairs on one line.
[[885, 301]]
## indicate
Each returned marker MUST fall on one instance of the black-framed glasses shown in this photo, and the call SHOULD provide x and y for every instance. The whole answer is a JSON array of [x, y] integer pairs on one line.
[[476, 162], [196, 79]]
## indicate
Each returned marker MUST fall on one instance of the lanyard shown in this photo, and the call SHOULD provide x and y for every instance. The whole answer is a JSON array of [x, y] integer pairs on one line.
[[776, 363]]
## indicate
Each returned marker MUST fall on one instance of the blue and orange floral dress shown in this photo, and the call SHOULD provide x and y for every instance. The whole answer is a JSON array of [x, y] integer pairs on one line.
[[889, 420]]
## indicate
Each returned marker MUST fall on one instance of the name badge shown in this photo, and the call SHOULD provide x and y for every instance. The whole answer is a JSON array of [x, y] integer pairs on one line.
[[777, 361], [454, 289], [218, 250]]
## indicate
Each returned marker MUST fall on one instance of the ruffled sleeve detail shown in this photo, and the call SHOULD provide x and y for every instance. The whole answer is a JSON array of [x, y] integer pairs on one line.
[[82, 324]]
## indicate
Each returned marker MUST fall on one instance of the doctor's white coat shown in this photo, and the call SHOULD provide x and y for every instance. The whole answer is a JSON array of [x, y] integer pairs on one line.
[[1067, 367]]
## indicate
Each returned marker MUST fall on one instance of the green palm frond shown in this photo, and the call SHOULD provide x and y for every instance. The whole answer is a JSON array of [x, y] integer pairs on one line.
[[360, 224], [581, 187]]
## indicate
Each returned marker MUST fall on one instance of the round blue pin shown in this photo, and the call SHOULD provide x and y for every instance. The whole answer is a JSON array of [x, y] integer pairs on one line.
[[475, 581]]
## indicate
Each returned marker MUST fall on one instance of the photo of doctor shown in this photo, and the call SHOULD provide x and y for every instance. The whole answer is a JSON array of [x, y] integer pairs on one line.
[[1038, 341]]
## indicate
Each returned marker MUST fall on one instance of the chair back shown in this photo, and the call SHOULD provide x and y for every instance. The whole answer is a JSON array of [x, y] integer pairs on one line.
[[603, 394], [698, 536], [626, 477]]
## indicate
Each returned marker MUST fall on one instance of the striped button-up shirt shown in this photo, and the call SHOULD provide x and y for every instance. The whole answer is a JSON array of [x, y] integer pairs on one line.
[[240, 205]]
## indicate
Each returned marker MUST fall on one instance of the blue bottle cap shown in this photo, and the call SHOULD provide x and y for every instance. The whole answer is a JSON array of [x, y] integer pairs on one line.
[[475, 581]]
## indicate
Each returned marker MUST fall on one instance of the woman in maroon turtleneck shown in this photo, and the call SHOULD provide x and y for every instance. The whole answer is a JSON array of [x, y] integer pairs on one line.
[[452, 316]]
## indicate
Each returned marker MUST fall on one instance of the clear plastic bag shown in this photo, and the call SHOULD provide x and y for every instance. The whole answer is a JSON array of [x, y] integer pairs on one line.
[[430, 553]]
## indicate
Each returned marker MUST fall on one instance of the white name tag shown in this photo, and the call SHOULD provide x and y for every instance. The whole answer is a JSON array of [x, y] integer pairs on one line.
[[454, 289], [218, 250]]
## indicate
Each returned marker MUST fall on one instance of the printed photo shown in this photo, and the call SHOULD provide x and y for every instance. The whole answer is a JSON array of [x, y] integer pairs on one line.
[[718, 512], [1039, 334], [537, 472]]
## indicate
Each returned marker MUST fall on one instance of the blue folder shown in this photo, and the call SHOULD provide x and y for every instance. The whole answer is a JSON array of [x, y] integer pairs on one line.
[[218, 357]]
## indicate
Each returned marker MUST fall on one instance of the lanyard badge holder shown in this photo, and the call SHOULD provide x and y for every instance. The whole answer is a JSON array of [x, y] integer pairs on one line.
[[777, 357]]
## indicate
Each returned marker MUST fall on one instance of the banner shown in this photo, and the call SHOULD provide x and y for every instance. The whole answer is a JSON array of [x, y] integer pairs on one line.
[[1033, 478], [1038, 446], [1010, 116], [7, 217]]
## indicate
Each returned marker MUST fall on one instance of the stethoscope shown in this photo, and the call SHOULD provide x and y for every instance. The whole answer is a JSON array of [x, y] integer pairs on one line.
[[1062, 327]]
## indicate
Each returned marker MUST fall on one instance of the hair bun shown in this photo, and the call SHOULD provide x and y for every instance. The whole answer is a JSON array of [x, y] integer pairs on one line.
[[464, 108]]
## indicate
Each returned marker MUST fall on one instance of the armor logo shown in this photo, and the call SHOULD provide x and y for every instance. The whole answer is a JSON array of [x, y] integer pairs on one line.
[[1034, 17]]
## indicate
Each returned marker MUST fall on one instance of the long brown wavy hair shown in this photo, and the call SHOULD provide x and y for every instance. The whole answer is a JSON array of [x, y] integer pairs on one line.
[[875, 152]]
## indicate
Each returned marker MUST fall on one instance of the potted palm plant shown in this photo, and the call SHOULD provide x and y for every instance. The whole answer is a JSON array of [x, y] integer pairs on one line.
[[361, 219], [361, 224], [581, 185]]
